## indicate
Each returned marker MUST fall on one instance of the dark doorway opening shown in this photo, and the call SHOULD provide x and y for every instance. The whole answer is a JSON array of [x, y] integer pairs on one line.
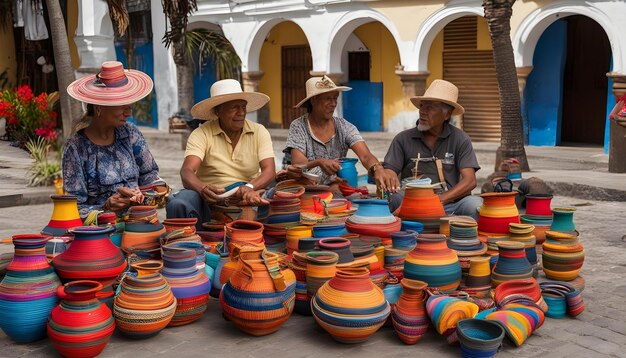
[[585, 84], [297, 64]]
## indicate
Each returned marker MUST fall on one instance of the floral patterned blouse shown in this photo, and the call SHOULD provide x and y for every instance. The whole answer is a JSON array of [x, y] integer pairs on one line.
[[94, 172]]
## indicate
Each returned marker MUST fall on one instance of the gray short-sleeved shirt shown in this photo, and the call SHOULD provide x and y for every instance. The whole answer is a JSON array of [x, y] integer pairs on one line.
[[453, 147], [301, 137]]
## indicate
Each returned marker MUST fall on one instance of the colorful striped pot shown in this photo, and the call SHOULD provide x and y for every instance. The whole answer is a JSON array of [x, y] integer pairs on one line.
[[28, 291], [80, 326]]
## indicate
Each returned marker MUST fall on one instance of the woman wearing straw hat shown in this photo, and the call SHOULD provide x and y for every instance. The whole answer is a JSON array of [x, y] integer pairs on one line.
[[441, 152], [318, 139], [226, 150], [107, 159]]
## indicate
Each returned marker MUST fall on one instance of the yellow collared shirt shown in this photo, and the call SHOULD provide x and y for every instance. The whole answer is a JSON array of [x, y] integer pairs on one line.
[[222, 164]]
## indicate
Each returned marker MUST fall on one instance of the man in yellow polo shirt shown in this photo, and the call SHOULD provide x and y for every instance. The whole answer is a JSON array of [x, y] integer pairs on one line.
[[227, 150]]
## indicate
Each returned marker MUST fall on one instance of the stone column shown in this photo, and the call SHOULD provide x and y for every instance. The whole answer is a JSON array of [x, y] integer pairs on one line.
[[413, 82], [522, 77], [251, 80], [617, 142], [94, 36]]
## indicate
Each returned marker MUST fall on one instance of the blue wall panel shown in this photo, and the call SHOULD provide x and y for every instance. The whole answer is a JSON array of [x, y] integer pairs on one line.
[[363, 105], [610, 103], [143, 61], [202, 81], [544, 88]]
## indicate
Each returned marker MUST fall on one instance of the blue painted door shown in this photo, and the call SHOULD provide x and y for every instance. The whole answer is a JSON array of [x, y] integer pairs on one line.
[[203, 79], [145, 111], [544, 87], [363, 105]]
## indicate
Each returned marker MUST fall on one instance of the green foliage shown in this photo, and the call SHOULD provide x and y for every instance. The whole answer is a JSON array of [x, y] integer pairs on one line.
[[202, 44], [43, 171]]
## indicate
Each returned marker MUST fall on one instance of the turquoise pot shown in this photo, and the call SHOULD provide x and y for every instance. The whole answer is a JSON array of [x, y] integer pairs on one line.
[[348, 171]]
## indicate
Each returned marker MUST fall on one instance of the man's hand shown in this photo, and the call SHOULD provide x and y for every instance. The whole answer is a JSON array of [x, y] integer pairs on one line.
[[387, 180], [210, 193], [253, 198]]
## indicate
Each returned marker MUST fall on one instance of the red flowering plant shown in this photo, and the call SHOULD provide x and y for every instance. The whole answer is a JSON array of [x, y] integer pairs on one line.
[[28, 116]]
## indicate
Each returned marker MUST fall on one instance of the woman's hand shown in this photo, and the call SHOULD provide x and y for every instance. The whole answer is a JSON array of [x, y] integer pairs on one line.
[[117, 203], [387, 180], [209, 193], [328, 166]]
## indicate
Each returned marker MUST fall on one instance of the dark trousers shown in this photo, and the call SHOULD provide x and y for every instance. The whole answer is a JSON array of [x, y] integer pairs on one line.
[[188, 204]]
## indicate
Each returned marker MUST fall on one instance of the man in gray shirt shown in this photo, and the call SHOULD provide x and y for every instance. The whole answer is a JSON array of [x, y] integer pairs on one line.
[[443, 152]]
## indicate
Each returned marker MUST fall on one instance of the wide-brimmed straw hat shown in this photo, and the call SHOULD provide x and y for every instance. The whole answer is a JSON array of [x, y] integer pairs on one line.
[[112, 86], [441, 91], [225, 91], [318, 85]]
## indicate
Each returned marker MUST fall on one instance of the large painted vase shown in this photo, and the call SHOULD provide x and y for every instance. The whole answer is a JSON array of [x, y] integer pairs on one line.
[[80, 326], [145, 303], [91, 256], [28, 291], [434, 263], [259, 296], [349, 306]]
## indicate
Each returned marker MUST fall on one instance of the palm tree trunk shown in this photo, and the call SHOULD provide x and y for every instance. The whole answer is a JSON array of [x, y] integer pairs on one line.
[[71, 109], [498, 14], [184, 78]]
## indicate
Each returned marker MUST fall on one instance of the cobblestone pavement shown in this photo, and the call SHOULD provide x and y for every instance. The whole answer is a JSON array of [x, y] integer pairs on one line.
[[599, 332]]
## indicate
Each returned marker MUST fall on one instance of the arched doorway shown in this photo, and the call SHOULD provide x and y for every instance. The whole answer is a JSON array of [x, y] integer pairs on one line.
[[286, 62], [369, 57], [585, 82], [566, 92]]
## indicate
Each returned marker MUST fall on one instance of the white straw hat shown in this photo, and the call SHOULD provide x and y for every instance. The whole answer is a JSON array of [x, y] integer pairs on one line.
[[441, 91], [318, 85], [225, 91]]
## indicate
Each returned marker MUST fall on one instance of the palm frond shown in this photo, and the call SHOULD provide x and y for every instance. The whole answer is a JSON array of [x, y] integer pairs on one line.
[[119, 15], [177, 13], [201, 44]]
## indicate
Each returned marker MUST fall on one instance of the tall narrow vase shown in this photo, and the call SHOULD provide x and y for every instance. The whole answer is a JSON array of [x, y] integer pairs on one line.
[[28, 290], [80, 326], [409, 315], [64, 215]]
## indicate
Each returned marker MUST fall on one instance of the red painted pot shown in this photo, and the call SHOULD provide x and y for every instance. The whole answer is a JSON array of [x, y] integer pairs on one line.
[[80, 326]]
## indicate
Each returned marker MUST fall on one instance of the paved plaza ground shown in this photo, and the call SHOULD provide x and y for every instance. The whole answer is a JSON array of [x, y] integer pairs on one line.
[[599, 332]]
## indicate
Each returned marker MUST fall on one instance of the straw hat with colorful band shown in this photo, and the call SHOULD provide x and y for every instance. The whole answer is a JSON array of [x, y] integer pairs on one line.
[[318, 85], [112, 86], [441, 91], [225, 91]]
